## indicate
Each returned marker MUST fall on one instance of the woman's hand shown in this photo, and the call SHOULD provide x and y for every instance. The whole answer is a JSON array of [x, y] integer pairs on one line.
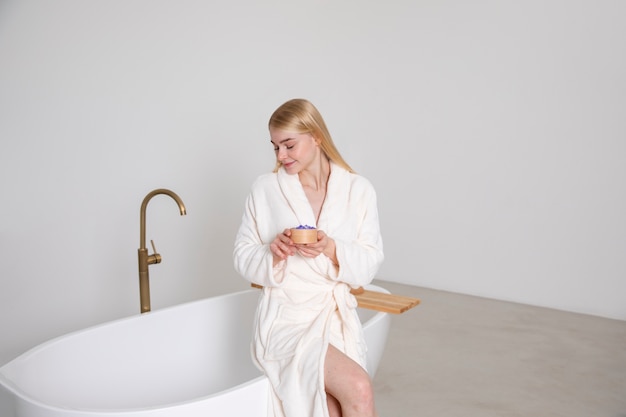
[[282, 246], [324, 244]]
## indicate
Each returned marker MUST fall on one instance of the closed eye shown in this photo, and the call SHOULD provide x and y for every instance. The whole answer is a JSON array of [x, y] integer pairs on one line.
[[289, 140]]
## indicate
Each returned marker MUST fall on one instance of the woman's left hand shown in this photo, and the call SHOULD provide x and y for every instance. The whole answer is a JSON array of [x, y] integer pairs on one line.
[[324, 244]]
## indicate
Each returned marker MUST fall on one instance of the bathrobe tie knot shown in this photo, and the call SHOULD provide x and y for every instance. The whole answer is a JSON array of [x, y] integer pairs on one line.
[[352, 331]]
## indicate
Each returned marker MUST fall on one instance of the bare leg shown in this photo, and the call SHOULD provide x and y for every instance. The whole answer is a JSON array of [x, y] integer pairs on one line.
[[334, 408], [349, 385]]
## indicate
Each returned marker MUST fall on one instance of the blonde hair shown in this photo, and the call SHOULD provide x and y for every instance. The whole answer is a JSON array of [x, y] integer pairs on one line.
[[301, 116]]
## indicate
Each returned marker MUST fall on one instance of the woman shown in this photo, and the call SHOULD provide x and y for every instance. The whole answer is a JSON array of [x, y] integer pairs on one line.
[[308, 338]]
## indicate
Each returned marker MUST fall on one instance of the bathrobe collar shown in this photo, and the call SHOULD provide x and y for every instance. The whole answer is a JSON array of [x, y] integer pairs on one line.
[[337, 190]]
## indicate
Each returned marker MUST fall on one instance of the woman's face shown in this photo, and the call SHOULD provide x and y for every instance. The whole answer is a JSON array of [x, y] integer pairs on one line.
[[295, 151]]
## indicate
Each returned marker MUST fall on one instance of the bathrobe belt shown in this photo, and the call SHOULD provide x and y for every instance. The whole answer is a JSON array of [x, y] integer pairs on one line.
[[346, 304]]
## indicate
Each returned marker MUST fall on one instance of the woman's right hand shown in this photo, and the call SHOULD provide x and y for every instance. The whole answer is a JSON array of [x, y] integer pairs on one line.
[[282, 246]]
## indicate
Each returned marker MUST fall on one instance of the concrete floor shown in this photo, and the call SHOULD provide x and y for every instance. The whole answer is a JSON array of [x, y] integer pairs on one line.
[[457, 355]]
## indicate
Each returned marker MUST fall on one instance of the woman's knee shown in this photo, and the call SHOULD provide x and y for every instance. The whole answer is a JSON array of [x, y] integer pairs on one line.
[[362, 391], [349, 383]]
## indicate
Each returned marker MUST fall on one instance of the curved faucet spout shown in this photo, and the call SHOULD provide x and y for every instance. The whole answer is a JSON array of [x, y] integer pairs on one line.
[[155, 258], [144, 205]]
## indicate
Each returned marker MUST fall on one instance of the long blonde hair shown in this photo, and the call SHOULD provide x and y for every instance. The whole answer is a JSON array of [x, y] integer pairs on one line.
[[301, 116]]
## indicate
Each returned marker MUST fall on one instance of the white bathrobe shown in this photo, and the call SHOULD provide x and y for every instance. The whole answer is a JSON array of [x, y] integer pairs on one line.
[[306, 303]]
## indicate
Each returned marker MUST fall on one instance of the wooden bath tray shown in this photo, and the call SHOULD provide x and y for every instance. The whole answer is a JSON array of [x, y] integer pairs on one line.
[[374, 300], [389, 303]]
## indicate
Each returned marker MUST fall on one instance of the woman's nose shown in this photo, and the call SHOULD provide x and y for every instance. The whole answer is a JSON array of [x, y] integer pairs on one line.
[[282, 154]]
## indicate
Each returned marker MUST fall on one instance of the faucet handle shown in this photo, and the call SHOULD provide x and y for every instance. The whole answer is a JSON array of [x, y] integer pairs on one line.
[[155, 258]]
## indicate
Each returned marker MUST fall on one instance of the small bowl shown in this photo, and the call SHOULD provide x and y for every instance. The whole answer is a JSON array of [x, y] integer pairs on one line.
[[302, 236]]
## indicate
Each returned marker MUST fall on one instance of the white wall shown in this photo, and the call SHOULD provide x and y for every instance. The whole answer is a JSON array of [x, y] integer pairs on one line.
[[493, 131]]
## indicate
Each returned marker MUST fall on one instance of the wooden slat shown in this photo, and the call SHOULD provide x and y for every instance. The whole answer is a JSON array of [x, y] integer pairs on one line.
[[389, 303], [374, 300]]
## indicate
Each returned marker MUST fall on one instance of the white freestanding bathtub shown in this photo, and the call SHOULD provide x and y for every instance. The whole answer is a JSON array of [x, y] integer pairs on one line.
[[188, 360]]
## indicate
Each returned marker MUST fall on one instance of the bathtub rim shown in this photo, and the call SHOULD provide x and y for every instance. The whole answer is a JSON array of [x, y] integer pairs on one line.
[[8, 384]]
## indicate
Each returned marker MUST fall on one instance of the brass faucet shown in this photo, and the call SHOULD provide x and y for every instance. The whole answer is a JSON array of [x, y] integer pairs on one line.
[[155, 258]]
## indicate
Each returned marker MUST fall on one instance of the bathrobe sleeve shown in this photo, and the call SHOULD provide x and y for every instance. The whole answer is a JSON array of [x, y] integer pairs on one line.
[[351, 219], [252, 256]]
